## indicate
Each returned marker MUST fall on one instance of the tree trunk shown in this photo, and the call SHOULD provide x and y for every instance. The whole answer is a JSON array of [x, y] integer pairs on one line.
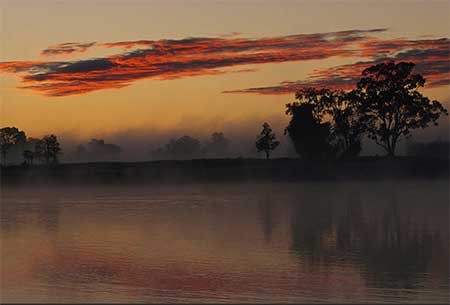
[[4, 158], [267, 154]]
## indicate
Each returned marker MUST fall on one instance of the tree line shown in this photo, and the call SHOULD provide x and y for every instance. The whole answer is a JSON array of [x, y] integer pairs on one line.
[[188, 147], [385, 106], [45, 150]]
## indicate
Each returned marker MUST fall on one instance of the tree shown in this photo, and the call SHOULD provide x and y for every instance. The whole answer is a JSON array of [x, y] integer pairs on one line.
[[184, 147], [28, 156], [99, 150], [50, 148], [391, 106], [217, 146], [266, 140], [325, 123], [36, 146], [311, 138], [345, 119], [181, 148], [10, 136]]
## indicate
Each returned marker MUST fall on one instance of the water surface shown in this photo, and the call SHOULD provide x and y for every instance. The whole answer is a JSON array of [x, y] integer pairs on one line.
[[286, 242]]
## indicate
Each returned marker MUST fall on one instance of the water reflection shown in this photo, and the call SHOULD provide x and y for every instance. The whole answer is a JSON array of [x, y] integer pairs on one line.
[[268, 214], [320, 242], [391, 246]]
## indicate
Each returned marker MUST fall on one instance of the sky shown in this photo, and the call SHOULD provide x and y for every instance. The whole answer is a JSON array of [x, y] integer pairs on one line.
[[144, 71]]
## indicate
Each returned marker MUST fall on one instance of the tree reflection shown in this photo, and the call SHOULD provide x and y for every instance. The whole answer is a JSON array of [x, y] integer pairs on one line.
[[393, 251], [267, 212]]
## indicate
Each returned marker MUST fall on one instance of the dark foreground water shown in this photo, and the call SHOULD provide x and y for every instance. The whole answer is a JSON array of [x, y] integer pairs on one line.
[[296, 242]]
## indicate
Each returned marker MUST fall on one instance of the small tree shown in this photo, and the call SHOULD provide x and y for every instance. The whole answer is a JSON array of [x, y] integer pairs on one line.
[[391, 106], [266, 140], [10, 136]]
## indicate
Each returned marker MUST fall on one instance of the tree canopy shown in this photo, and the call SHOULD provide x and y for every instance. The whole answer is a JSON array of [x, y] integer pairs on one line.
[[10, 136], [324, 123], [266, 140], [391, 105]]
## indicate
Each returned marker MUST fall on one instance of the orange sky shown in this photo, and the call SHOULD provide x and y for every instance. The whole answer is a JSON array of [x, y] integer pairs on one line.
[[98, 69]]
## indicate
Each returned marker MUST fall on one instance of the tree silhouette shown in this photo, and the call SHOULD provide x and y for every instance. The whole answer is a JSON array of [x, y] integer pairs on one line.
[[311, 138], [346, 128], [391, 105], [185, 146], [50, 148], [217, 146], [266, 140], [10, 136], [99, 150], [28, 156], [181, 148], [324, 123], [37, 147]]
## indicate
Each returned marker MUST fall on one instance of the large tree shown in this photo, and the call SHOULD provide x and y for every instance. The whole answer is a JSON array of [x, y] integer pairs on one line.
[[310, 137], [325, 123], [391, 106], [10, 136]]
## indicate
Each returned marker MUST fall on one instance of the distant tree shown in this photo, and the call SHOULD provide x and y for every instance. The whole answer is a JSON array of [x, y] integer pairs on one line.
[[185, 146], [430, 149], [80, 153], [36, 146], [28, 156], [51, 149], [217, 146], [158, 153], [80, 149], [325, 123], [97, 149], [10, 136], [391, 106], [266, 140]]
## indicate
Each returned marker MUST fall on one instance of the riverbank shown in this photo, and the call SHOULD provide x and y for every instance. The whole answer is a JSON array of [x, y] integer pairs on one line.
[[218, 170]]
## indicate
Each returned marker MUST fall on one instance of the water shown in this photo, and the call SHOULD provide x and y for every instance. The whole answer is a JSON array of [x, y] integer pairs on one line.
[[294, 242]]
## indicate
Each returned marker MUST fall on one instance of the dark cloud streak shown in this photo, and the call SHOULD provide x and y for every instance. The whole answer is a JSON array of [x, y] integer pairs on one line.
[[169, 59], [430, 56], [194, 56], [67, 48]]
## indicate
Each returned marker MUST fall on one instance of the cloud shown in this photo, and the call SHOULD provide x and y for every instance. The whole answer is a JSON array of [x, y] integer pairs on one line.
[[430, 56], [170, 59], [67, 48]]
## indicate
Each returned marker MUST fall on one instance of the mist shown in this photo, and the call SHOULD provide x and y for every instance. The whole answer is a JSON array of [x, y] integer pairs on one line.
[[137, 144]]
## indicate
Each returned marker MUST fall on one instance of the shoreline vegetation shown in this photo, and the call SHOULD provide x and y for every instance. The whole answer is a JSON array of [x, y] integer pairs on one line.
[[228, 170], [326, 129]]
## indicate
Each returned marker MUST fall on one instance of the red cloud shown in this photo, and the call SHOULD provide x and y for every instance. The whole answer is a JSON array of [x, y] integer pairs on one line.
[[169, 59], [430, 56]]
